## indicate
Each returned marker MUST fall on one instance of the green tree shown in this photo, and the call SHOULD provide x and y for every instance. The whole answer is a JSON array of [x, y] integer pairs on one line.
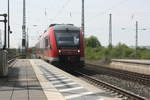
[[92, 42], [121, 51]]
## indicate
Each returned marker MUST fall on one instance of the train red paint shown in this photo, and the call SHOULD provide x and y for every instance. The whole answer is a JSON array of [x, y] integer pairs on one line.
[[61, 43]]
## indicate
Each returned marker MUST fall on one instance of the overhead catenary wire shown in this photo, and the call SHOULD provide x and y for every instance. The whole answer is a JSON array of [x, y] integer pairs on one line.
[[104, 12], [62, 9]]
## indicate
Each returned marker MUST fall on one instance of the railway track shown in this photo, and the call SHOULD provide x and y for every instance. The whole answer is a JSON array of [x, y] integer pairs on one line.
[[12, 60], [135, 84], [124, 93], [140, 78]]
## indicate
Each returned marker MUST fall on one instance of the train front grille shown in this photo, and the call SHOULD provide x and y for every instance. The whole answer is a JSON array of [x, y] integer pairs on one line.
[[69, 58]]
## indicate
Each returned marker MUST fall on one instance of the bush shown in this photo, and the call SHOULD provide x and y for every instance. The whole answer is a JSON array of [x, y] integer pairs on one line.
[[94, 51], [92, 42], [145, 54]]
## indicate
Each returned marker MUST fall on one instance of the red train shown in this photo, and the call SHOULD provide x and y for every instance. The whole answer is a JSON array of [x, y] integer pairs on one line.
[[62, 43]]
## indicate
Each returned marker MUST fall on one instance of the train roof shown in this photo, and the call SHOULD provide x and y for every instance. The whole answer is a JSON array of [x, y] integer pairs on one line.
[[58, 27]]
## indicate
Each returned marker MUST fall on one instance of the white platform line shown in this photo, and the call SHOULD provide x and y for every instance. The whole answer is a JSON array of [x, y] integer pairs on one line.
[[57, 78], [50, 93], [70, 89], [100, 99], [49, 90], [58, 75], [57, 81], [54, 74], [78, 95], [64, 84], [49, 76]]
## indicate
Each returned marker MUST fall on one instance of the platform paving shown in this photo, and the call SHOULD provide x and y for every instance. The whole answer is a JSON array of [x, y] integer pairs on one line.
[[34, 79], [132, 65], [59, 85], [63, 84], [21, 83]]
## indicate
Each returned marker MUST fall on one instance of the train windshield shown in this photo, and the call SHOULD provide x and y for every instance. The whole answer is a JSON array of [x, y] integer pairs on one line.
[[67, 39]]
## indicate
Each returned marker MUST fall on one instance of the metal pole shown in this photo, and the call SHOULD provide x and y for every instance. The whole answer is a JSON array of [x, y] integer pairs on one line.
[[82, 24], [27, 39], [24, 29], [110, 30], [5, 31], [0, 40], [136, 39], [8, 27]]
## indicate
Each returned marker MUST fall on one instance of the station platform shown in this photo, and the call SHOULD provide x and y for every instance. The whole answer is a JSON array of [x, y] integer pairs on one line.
[[134, 61], [132, 65], [34, 79], [21, 83]]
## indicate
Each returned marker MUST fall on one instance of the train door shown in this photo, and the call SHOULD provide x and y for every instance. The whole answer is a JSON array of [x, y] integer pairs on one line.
[[47, 46]]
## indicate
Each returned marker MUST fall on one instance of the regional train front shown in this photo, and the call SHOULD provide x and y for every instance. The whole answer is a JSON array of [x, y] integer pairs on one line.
[[61, 43], [69, 41]]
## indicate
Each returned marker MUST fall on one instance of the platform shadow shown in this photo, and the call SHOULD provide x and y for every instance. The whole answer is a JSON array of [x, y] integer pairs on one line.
[[16, 79]]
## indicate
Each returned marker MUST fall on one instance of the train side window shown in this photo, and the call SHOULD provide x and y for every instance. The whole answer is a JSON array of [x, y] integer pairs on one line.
[[47, 44]]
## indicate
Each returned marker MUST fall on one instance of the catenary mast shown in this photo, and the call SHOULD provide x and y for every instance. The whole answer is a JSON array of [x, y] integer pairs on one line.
[[24, 28], [0, 40], [82, 17]]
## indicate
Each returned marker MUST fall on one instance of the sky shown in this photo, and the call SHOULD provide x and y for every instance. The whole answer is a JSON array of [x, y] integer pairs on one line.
[[41, 13]]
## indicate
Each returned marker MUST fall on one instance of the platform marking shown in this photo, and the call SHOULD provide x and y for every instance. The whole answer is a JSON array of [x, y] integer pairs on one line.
[[78, 95], [61, 82], [49, 90], [54, 78], [72, 83], [58, 80], [70, 89]]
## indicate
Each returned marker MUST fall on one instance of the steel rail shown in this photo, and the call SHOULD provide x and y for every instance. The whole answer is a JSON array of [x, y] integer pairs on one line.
[[124, 93], [13, 59], [141, 78]]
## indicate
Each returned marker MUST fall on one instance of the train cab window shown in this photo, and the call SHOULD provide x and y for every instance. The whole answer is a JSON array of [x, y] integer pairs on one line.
[[68, 38]]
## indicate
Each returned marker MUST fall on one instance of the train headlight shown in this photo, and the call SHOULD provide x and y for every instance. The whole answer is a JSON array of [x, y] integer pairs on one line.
[[59, 51], [78, 51]]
